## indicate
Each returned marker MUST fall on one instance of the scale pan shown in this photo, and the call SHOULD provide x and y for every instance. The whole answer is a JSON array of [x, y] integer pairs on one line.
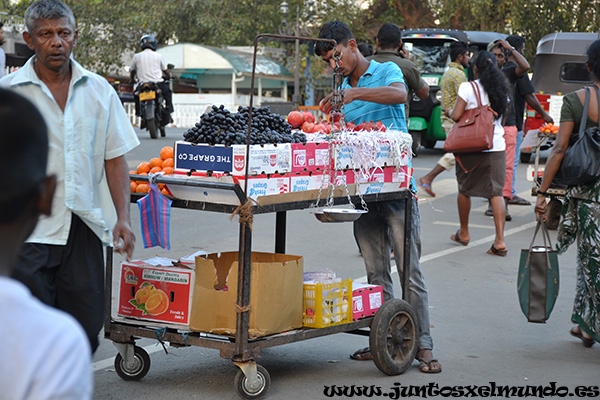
[[342, 214]]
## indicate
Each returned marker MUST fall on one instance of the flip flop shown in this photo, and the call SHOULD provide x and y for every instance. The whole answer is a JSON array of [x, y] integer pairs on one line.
[[423, 364], [426, 188], [577, 333], [519, 201], [456, 238], [497, 252], [362, 355]]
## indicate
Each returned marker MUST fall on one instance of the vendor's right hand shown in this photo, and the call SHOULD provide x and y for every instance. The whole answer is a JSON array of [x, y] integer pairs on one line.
[[540, 206]]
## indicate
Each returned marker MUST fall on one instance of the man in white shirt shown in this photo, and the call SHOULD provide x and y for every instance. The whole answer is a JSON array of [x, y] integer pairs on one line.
[[44, 353], [62, 262], [149, 66]]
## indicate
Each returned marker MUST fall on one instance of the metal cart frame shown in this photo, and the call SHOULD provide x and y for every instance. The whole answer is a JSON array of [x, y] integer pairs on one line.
[[393, 334]]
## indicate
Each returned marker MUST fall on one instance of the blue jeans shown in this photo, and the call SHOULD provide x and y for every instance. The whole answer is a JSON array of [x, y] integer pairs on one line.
[[378, 232], [517, 160]]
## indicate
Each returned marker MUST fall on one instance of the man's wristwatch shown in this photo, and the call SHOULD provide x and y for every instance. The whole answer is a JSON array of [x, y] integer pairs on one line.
[[511, 50]]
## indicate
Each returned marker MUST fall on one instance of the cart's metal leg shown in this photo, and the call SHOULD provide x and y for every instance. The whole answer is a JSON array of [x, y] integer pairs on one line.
[[127, 351], [407, 244], [249, 370], [280, 225]]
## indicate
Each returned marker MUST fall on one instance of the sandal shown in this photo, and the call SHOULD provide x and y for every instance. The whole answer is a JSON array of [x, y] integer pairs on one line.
[[425, 366], [517, 200], [578, 334], [497, 252], [456, 238], [362, 355]]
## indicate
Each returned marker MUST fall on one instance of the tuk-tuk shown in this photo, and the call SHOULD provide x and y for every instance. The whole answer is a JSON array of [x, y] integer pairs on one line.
[[429, 49], [559, 68]]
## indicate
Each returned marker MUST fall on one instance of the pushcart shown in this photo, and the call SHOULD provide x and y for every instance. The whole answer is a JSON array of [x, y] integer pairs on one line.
[[392, 331], [536, 142]]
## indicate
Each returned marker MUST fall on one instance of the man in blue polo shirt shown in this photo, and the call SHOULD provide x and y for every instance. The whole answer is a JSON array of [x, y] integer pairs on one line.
[[376, 92]]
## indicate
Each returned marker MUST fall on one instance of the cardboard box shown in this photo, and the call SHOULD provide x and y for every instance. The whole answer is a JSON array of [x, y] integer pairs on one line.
[[263, 159], [366, 300], [159, 293], [275, 293]]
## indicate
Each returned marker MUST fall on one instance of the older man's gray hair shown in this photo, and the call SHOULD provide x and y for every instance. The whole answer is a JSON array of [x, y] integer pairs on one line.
[[47, 9]]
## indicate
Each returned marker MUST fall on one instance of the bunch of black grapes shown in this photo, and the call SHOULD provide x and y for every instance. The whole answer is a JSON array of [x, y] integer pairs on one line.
[[220, 126]]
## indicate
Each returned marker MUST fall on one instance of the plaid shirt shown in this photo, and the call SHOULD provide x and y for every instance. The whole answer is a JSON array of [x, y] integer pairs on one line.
[[451, 80]]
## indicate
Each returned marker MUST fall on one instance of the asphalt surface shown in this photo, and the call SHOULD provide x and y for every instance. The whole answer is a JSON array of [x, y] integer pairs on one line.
[[480, 335]]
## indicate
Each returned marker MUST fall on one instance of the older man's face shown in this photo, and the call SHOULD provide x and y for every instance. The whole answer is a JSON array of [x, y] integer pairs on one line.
[[53, 41]]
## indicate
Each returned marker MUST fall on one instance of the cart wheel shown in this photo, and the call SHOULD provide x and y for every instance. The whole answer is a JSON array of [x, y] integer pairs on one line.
[[553, 214], [245, 392], [393, 337], [139, 369]]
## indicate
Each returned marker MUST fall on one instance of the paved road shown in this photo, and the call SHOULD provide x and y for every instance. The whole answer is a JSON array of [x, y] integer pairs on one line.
[[479, 332]]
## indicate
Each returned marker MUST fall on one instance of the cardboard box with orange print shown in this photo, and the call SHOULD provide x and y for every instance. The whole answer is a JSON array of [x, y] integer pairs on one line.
[[154, 292]]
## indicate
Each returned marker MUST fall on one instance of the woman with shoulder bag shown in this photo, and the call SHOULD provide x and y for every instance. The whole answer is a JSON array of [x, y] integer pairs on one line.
[[481, 174], [581, 208]]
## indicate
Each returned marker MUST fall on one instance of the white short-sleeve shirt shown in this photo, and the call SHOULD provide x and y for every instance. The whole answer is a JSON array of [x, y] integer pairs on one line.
[[93, 128], [466, 92], [44, 352]]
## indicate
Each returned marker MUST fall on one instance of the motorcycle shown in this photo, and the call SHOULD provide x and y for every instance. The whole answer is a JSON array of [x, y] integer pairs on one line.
[[153, 109]]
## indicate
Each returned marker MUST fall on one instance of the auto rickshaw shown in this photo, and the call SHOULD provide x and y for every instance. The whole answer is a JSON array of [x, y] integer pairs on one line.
[[559, 68], [429, 49]]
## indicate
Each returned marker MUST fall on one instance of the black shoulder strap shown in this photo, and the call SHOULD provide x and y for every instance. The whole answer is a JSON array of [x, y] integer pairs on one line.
[[586, 108]]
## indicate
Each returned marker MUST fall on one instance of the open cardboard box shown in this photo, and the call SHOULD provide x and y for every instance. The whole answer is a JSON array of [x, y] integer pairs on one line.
[[275, 293]]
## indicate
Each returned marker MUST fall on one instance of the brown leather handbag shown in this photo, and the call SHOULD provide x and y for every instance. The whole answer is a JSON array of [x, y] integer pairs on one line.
[[474, 131]]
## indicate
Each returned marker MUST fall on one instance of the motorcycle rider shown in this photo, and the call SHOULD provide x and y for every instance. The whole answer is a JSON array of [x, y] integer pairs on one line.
[[150, 66]]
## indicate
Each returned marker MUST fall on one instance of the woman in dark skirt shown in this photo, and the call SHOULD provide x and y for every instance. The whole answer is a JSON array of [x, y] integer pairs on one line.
[[482, 174]]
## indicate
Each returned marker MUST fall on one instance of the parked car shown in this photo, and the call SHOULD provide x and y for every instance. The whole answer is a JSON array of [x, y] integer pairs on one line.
[[429, 49]]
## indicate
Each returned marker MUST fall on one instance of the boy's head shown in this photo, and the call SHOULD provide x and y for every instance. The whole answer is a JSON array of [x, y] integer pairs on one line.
[[336, 30], [26, 189]]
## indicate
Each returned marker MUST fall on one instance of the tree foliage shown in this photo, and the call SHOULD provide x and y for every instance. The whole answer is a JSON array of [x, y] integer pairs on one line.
[[107, 29]]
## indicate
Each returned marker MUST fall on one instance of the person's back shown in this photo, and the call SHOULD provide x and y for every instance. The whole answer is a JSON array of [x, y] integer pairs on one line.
[[44, 352], [149, 66]]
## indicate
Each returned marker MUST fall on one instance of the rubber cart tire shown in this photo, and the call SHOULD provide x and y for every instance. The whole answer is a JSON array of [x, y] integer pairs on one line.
[[240, 382], [417, 138], [140, 368], [393, 339], [553, 214]]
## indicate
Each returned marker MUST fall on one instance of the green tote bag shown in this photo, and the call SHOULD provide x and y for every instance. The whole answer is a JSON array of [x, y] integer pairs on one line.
[[538, 278]]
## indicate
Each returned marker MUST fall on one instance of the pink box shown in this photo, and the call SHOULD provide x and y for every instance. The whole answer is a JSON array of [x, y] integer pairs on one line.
[[309, 157], [366, 300]]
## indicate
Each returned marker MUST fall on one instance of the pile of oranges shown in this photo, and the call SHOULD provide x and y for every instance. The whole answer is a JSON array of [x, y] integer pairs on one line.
[[164, 163], [549, 128]]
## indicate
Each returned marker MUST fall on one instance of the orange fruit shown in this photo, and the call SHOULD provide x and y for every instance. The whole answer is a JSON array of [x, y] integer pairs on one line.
[[168, 170], [168, 162], [157, 303], [143, 167], [133, 186], [165, 192], [155, 170], [166, 152], [156, 162], [142, 188], [142, 295]]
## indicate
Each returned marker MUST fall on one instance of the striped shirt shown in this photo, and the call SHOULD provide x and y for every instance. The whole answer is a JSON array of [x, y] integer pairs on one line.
[[148, 66], [391, 115]]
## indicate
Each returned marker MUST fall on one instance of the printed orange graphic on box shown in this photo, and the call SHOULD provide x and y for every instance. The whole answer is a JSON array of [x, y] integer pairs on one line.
[[155, 293]]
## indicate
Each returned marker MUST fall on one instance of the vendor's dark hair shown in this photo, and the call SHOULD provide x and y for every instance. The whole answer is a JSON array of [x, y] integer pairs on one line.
[[493, 81], [458, 48], [23, 154], [336, 30], [593, 60], [516, 41]]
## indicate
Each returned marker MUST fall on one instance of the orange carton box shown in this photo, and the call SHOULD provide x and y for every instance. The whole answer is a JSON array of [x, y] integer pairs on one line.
[[156, 292]]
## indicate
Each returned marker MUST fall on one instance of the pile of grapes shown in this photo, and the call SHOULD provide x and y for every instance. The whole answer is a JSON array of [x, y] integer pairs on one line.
[[220, 126]]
